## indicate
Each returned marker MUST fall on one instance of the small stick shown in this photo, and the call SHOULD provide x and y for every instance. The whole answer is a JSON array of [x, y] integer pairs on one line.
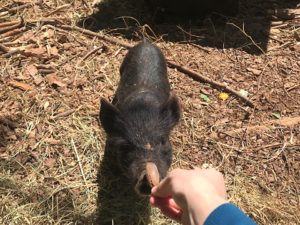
[[12, 32], [45, 21], [248, 36], [199, 77], [280, 46], [91, 33], [56, 10], [4, 48], [17, 8], [117, 52], [200, 47], [277, 153], [280, 26], [46, 71], [67, 60], [90, 53], [276, 39], [63, 114], [291, 88], [8, 54], [7, 24], [8, 122], [5, 29], [78, 160]]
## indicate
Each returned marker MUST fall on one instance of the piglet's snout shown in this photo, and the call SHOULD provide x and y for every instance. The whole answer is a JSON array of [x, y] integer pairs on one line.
[[152, 174], [148, 179]]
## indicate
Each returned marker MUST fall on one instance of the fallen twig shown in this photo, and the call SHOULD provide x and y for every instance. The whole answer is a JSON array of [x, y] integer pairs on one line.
[[78, 160], [63, 114], [5, 29], [268, 125], [7, 51], [17, 8], [277, 153], [7, 24], [12, 32], [91, 52], [202, 78], [8, 122], [280, 46], [284, 13], [10, 53], [248, 36], [56, 10], [67, 60], [103, 37], [47, 71], [4, 48]]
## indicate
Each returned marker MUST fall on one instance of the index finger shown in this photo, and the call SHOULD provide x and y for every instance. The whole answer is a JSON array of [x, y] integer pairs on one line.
[[166, 187], [163, 189]]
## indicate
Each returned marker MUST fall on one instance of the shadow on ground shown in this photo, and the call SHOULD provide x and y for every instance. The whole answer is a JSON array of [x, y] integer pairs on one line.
[[7, 131], [214, 31], [117, 201], [35, 201]]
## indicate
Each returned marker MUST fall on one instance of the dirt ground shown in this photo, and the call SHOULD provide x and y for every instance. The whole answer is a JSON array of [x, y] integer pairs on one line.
[[54, 70]]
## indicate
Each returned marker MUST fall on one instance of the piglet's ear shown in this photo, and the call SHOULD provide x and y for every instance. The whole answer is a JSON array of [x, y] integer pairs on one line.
[[171, 111], [108, 116]]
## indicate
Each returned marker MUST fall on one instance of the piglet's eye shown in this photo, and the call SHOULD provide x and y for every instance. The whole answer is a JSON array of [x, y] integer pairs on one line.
[[163, 141]]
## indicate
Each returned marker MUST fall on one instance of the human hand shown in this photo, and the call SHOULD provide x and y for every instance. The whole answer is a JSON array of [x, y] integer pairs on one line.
[[189, 196]]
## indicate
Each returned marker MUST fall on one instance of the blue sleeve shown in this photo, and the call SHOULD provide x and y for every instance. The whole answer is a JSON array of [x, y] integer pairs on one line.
[[228, 214]]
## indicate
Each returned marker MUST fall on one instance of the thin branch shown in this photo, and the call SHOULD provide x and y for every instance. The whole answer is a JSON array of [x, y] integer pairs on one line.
[[5, 29], [57, 10], [65, 113], [205, 79], [91, 52], [101, 36], [17, 8], [78, 160], [12, 33], [8, 24], [248, 36]]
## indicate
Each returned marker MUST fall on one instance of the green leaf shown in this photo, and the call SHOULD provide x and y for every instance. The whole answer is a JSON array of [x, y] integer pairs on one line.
[[276, 115], [244, 93], [205, 98]]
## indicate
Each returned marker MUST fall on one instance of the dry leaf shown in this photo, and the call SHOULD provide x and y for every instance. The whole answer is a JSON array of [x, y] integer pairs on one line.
[[20, 85], [254, 71], [68, 68], [34, 51], [32, 70], [22, 77], [54, 51], [49, 33], [80, 81], [50, 162], [38, 80], [274, 31], [52, 141], [67, 46], [26, 36], [53, 79]]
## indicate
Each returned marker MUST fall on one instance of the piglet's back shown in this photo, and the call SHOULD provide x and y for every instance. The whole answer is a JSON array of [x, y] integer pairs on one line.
[[144, 68]]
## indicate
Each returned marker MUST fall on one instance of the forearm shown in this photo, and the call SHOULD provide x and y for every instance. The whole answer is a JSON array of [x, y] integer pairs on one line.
[[228, 214], [198, 213]]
